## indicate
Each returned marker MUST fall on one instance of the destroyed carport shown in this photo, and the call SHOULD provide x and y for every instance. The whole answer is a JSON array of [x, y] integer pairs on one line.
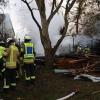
[[74, 64], [79, 66]]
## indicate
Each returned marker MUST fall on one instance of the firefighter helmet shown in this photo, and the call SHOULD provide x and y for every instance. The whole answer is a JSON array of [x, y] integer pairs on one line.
[[9, 40], [27, 38]]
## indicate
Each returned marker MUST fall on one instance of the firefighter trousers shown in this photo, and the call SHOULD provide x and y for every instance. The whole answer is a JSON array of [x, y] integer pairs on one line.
[[29, 71], [10, 78]]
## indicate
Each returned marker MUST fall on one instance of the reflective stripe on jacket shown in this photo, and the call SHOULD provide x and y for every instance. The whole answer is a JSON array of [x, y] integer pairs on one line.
[[12, 56]]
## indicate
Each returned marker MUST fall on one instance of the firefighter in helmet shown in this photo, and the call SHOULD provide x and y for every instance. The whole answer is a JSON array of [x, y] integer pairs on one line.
[[79, 49], [11, 63], [86, 50], [28, 59]]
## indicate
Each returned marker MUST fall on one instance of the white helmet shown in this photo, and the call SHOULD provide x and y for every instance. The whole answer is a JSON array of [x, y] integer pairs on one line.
[[27, 38], [9, 39], [80, 45], [86, 46]]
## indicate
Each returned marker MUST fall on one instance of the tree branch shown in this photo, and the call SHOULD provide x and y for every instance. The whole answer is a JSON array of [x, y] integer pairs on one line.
[[61, 38], [34, 9], [68, 8], [30, 2], [24, 1], [54, 12], [53, 4], [32, 14], [67, 2]]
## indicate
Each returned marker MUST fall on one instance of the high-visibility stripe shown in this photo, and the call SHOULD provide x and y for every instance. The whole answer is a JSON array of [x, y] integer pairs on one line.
[[28, 56], [11, 56], [4, 81], [17, 76], [3, 70], [28, 60], [33, 77], [4, 64], [11, 63], [27, 78], [13, 84], [5, 85]]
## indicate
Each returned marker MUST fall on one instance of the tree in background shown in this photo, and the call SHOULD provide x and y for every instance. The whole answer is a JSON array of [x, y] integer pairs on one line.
[[3, 2], [43, 28], [78, 13], [90, 18], [80, 9]]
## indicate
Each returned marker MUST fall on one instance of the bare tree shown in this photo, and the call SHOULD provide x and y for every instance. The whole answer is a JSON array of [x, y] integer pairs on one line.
[[4, 2], [81, 12], [98, 3], [43, 28], [80, 9], [89, 18]]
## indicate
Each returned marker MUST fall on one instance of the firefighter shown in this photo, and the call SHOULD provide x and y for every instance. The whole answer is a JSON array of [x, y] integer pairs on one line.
[[86, 50], [79, 50], [11, 63], [28, 59], [2, 58]]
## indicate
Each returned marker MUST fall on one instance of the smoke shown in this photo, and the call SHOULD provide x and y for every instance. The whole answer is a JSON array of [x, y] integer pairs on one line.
[[23, 24]]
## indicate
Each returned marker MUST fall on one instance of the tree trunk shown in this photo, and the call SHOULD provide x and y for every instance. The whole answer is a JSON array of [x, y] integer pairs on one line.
[[46, 44], [49, 58], [77, 25], [48, 51], [43, 28]]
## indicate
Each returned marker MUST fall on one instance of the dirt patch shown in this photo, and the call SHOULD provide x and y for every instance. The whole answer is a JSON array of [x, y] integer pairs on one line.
[[50, 86]]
